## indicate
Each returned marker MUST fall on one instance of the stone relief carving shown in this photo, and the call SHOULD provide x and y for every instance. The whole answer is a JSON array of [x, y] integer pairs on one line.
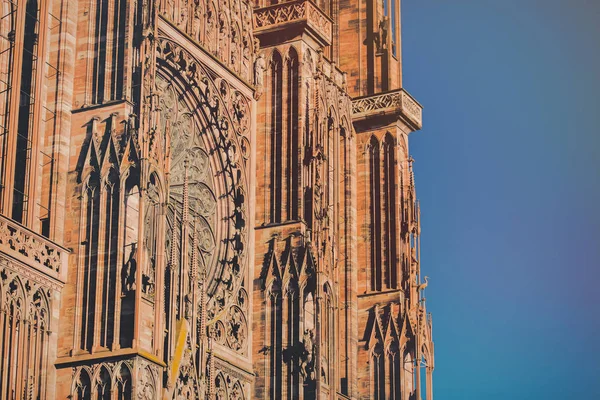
[[33, 249], [224, 28], [397, 99], [217, 137], [292, 11]]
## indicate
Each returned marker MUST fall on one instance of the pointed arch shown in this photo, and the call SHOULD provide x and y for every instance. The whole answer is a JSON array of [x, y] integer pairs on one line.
[[274, 334], [373, 149], [90, 220], [293, 138], [129, 254], [82, 386], [103, 384], [328, 333], [13, 335], [275, 136], [377, 367], [25, 139], [390, 228], [221, 387], [122, 382], [394, 358]]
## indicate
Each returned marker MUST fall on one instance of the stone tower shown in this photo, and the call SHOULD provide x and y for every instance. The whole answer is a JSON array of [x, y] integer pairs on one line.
[[208, 199]]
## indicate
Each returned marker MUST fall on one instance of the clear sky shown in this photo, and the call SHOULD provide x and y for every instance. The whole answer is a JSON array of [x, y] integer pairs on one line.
[[508, 174]]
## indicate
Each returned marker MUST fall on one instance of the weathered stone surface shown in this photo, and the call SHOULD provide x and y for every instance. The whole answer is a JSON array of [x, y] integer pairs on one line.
[[208, 199]]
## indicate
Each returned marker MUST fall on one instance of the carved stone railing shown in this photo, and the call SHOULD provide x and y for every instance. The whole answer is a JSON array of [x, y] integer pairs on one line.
[[32, 249], [299, 12], [394, 102]]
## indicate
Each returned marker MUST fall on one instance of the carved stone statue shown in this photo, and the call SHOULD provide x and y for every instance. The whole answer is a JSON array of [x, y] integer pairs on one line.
[[259, 69], [197, 22], [382, 34], [128, 272], [307, 357], [187, 306]]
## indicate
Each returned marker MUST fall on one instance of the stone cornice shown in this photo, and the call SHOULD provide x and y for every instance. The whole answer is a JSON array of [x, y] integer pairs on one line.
[[32, 249], [397, 102], [303, 13]]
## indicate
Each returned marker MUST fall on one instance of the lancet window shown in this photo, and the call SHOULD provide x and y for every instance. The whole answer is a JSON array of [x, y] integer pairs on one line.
[[27, 68], [293, 335], [275, 347], [378, 371], [83, 386], [293, 166], [389, 180], [276, 148], [130, 257], [123, 383], [7, 49], [394, 370], [29, 64], [375, 213], [109, 50], [109, 227], [102, 280], [90, 219], [103, 385], [23, 341]]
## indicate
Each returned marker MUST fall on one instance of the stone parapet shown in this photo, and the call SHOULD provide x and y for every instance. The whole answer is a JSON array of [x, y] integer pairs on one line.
[[32, 249], [300, 13], [398, 102]]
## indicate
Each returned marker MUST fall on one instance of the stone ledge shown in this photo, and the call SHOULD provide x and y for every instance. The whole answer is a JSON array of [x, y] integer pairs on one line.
[[397, 102], [32, 249], [303, 13]]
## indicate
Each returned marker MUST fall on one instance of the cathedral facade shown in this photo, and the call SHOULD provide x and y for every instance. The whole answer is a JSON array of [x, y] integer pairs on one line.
[[208, 199]]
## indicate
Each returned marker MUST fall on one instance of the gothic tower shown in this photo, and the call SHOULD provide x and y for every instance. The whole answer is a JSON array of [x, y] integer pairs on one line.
[[208, 199]]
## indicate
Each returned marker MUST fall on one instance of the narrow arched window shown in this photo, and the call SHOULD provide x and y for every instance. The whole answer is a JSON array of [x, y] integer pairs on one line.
[[130, 259], [293, 166], [90, 224], [378, 372], [110, 228], [275, 336], [29, 63], [123, 383], [375, 213], [276, 160], [99, 66], [11, 337], [293, 325], [7, 58], [103, 385], [389, 181], [394, 370], [83, 387]]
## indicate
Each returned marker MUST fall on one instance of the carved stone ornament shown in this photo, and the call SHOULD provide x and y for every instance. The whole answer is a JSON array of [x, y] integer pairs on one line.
[[206, 123]]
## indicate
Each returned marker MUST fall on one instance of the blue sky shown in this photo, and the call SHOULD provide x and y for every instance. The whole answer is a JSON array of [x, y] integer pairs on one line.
[[508, 174]]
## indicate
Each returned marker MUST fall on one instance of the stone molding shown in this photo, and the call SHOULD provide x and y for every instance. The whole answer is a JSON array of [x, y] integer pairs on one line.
[[393, 102], [32, 249], [305, 12]]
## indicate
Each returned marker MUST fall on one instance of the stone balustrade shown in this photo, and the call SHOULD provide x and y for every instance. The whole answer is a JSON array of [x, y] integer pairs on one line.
[[397, 101], [301, 12], [32, 249]]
